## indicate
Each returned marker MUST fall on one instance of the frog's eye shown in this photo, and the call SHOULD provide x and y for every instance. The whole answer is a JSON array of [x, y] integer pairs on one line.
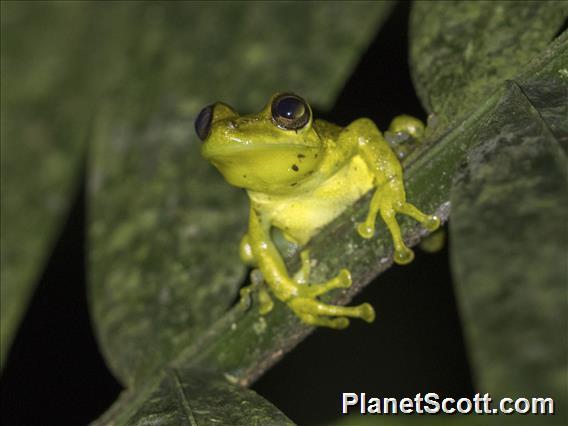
[[290, 112], [203, 122]]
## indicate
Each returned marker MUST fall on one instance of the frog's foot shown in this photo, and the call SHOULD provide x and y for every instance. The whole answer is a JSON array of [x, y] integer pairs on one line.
[[337, 323], [314, 312], [366, 229], [388, 204], [265, 301], [402, 254], [430, 222], [434, 242], [303, 275], [342, 280], [246, 296]]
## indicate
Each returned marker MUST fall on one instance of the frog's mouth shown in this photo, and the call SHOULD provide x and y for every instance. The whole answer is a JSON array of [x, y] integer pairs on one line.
[[257, 150]]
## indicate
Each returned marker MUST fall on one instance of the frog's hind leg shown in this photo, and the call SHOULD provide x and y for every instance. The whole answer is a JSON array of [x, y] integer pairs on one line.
[[314, 312], [245, 251], [342, 280], [302, 278]]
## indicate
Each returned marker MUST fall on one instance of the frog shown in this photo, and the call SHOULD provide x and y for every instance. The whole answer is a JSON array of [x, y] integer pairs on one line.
[[300, 173]]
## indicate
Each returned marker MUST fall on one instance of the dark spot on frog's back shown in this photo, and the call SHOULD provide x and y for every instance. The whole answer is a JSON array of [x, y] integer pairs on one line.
[[295, 168], [300, 156]]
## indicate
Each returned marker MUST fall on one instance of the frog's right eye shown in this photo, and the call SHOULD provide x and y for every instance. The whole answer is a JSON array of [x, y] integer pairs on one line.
[[290, 112], [203, 122]]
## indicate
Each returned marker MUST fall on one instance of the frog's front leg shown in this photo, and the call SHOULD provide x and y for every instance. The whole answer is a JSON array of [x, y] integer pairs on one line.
[[407, 125], [389, 197], [300, 297], [404, 134]]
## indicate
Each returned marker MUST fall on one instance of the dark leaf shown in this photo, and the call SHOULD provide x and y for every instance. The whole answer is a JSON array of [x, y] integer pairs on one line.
[[244, 344], [46, 113], [462, 51], [510, 241], [187, 397]]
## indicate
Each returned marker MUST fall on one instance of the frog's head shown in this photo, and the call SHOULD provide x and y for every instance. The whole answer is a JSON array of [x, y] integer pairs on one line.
[[271, 151]]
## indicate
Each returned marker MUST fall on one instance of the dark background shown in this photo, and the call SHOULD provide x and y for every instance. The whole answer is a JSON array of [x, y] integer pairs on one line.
[[55, 374]]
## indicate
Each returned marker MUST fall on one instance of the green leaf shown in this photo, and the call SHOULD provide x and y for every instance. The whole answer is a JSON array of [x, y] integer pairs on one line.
[[45, 117], [164, 226], [510, 241], [187, 397], [461, 51], [244, 344]]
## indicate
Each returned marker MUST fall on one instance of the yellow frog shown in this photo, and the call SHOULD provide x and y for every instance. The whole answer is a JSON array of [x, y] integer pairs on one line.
[[300, 174]]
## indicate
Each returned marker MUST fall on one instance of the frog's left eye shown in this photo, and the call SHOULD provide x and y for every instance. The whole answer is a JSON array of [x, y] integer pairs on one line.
[[203, 122], [290, 112]]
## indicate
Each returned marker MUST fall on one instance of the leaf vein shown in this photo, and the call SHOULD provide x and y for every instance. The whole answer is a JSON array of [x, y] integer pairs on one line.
[[183, 398]]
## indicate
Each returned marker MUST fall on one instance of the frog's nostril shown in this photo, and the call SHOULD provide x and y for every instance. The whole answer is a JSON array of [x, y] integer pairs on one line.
[[203, 122]]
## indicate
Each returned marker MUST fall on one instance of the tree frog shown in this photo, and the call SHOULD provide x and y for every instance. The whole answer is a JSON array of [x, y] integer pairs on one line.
[[300, 174]]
